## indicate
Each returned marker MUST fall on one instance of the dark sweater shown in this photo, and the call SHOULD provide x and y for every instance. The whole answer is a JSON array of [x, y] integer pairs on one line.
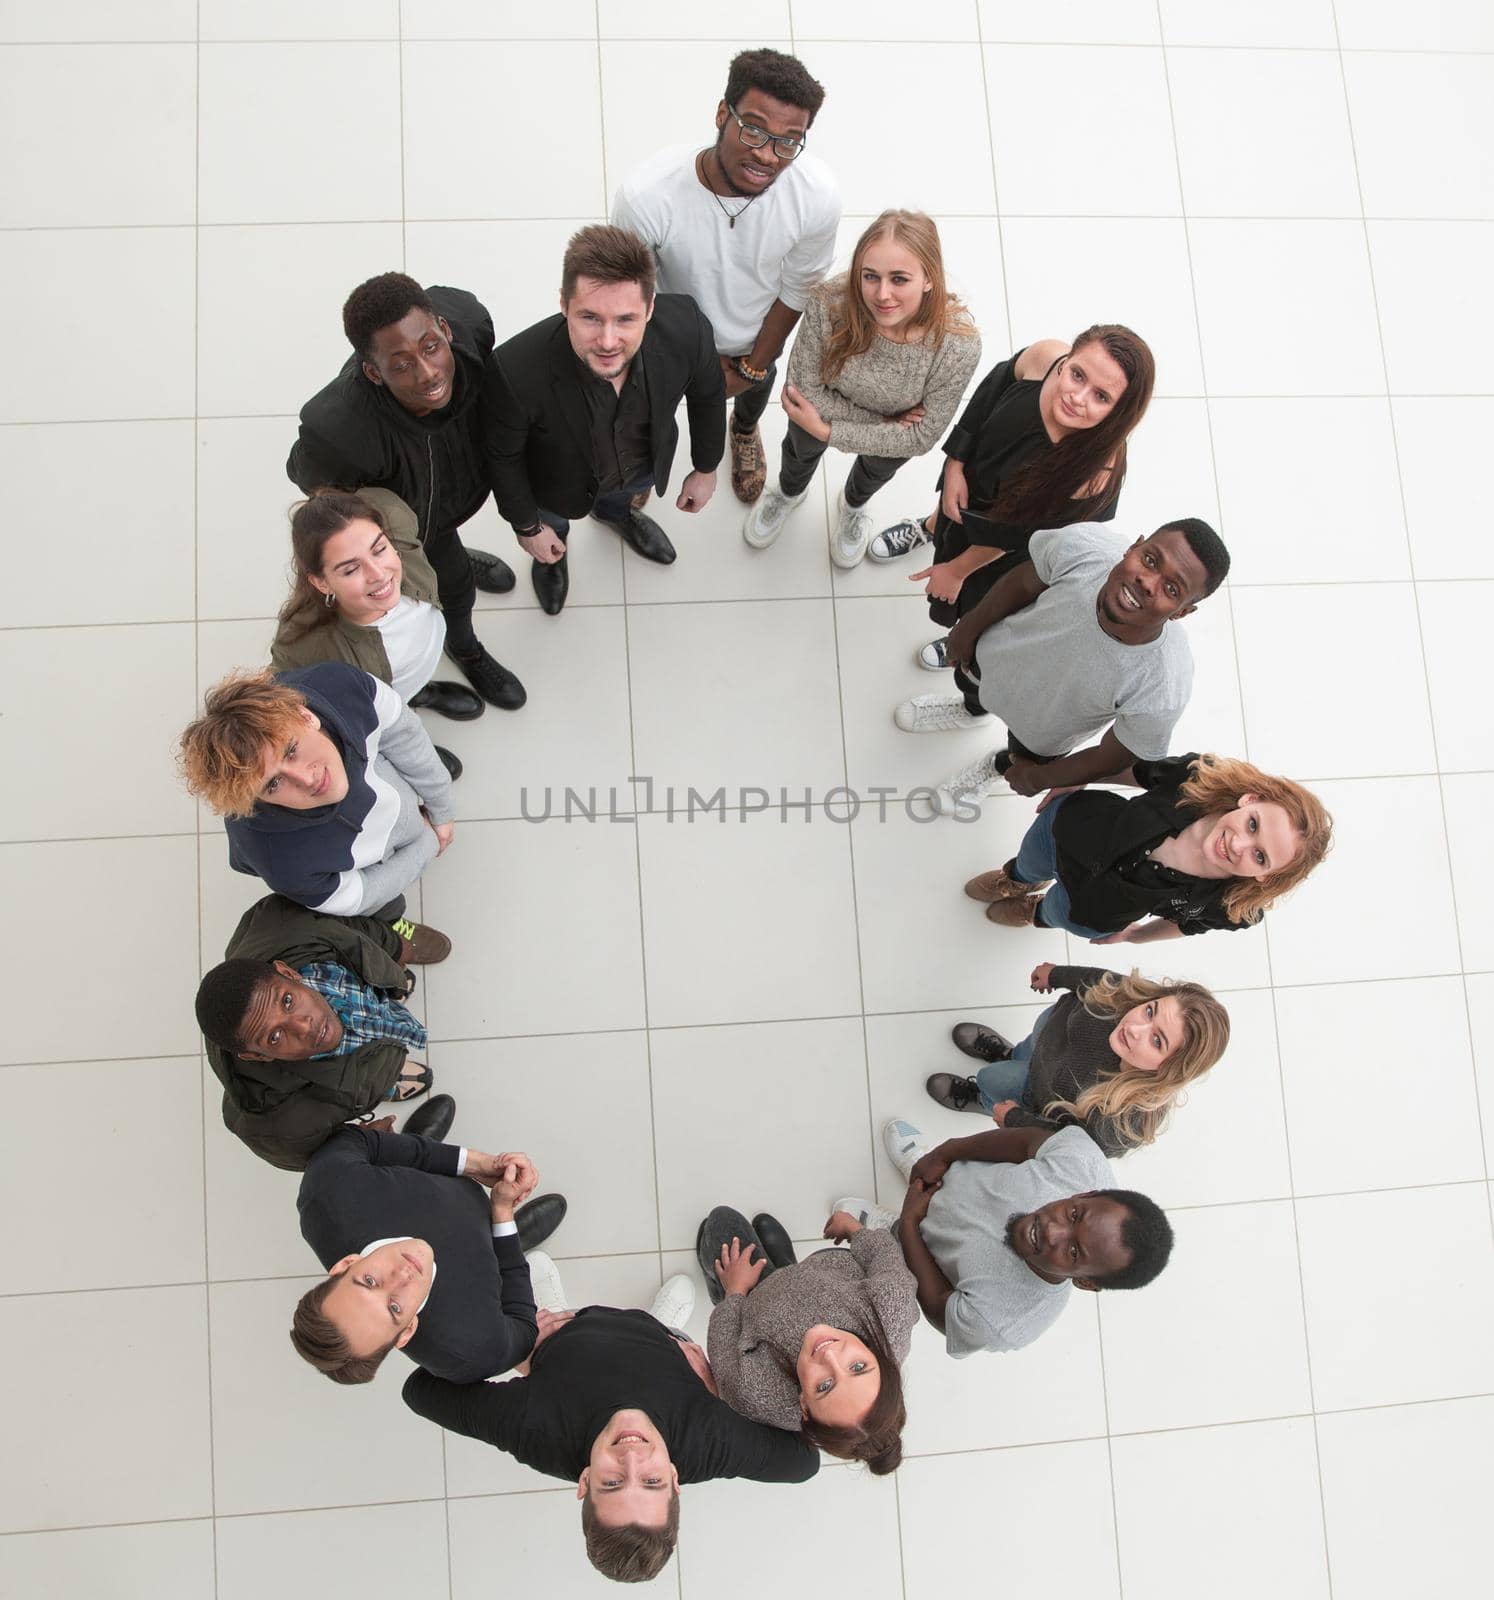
[[283, 1110], [355, 434], [1103, 839], [362, 1185], [1071, 1055], [602, 1362]]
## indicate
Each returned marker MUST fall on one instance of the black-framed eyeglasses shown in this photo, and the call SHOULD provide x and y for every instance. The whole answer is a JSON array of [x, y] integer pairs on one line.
[[785, 146]]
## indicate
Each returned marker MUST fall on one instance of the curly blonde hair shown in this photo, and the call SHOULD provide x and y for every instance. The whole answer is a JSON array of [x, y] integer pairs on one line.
[[222, 754], [1214, 787], [1139, 1102]]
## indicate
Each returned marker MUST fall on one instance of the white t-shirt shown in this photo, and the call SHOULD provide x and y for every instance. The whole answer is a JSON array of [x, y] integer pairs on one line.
[[782, 245], [414, 633], [1055, 677]]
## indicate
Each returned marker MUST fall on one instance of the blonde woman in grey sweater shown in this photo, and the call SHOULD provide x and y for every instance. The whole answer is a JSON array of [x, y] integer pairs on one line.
[[879, 367]]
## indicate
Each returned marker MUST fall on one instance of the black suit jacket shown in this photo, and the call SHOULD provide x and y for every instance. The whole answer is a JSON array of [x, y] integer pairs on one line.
[[364, 1185], [538, 434]]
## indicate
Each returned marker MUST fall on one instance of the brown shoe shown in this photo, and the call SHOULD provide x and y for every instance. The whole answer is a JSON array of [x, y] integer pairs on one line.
[[424, 946], [749, 464], [1014, 912]]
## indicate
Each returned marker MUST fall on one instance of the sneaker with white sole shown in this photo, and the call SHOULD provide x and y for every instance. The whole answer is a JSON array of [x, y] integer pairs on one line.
[[867, 1212], [905, 1144], [935, 655], [764, 522], [674, 1302], [544, 1280], [953, 797], [849, 537], [894, 542], [935, 713]]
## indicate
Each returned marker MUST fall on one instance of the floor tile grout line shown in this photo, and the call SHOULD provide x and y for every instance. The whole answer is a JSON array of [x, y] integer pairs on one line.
[[985, 87]]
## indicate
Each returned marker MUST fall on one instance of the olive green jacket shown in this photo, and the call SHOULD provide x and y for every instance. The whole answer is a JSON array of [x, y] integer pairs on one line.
[[340, 640], [283, 1110]]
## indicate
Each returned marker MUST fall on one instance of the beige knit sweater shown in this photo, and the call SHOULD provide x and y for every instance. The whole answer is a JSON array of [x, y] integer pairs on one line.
[[888, 379]]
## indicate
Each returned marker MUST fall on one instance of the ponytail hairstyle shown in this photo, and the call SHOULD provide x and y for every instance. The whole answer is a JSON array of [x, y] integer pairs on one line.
[[853, 329], [877, 1439], [1081, 476], [1214, 787], [313, 522], [1139, 1102]]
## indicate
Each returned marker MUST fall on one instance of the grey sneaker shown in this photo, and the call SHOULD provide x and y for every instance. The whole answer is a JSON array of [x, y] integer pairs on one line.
[[849, 537], [894, 542], [934, 713], [953, 797], [905, 1144], [934, 656], [765, 520], [867, 1212]]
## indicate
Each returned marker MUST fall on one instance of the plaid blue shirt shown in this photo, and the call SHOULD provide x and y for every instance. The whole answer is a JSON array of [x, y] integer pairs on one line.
[[365, 1014]]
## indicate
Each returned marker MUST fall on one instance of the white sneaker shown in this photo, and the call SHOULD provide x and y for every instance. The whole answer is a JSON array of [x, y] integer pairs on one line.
[[674, 1302], [544, 1279], [767, 516], [867, 1212], [898, 540], [934, 655], [852, 532], [934, 713], [954, 795], [905, 1144]]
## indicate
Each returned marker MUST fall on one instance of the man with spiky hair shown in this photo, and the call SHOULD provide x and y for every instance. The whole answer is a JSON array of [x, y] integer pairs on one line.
[[404, 414]]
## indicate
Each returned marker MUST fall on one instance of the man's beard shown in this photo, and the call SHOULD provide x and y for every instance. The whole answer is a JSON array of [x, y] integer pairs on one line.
[[741, 194], [1011, 1228]]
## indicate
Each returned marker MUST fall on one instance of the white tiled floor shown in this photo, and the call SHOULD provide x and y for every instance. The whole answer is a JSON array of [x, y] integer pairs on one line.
[[1293, 201]]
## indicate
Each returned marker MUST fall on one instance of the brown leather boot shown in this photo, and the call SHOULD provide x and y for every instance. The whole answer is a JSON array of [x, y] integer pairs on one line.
[[1014, 912]]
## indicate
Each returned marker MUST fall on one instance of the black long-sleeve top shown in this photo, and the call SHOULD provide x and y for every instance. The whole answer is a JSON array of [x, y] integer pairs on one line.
[[1103, 839], [602, 1362], [1071, 1055], [363, 1185]]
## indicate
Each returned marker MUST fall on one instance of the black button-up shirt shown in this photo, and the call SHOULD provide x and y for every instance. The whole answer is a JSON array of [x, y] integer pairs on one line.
[[621, 450]]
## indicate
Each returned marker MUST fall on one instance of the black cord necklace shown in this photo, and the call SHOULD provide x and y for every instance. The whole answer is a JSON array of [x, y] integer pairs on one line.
[[731, 216]]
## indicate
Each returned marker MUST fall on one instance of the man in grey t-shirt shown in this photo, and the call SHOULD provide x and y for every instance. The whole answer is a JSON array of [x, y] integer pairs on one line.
[[1077, 641], [996, 1227]]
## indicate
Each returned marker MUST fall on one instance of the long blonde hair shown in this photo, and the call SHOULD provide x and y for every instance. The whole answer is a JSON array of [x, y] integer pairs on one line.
[[1138, 1102], [1214, 787], [853, 330]]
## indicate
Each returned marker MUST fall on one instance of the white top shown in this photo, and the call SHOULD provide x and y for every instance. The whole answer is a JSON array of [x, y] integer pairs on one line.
[[1053, 675], [414, 634], [782, 245]]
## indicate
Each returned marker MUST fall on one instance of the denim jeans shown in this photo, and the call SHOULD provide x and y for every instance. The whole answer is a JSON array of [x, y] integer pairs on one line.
[[1007, 1080], [610, 507], [1037, 860]]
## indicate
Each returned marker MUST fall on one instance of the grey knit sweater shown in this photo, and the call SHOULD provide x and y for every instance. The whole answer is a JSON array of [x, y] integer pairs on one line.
[[888, 379], [864, 1289]]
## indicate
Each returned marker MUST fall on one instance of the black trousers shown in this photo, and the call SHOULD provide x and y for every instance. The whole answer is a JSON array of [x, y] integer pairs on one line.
[[749, 406], [454, 584], [801, 455]]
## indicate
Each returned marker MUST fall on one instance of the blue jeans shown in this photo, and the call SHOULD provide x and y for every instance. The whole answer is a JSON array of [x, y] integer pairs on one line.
[[610, 507], [1037, 861], [1007, 1080]]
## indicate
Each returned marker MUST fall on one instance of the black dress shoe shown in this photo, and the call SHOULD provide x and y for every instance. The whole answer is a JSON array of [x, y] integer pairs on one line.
[[452, 763], [432, 1120], [777, 1246], [539, 1219], [984, 1043], [490, 573], [447, 699], [496, 684], [552, 583], [646, 537]]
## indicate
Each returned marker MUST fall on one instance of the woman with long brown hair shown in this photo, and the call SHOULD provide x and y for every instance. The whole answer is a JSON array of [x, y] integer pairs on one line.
[[1042, 444], [879, 367], [1113, 1055], [363, 592], [1209, 843]]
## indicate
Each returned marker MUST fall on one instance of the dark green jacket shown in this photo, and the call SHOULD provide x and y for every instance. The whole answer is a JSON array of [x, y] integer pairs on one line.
[[283, 1110]]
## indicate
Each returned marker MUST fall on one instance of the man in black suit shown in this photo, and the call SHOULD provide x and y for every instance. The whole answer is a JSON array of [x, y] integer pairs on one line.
[[580, 408], [417, 1257], [404, 414]]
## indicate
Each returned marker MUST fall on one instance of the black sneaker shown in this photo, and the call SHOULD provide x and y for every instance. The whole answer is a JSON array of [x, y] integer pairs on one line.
[[984, 1043], [495, 683], [959, 1094]]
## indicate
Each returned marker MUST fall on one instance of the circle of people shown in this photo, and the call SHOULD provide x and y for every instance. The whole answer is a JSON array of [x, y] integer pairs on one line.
[[335, 796]]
